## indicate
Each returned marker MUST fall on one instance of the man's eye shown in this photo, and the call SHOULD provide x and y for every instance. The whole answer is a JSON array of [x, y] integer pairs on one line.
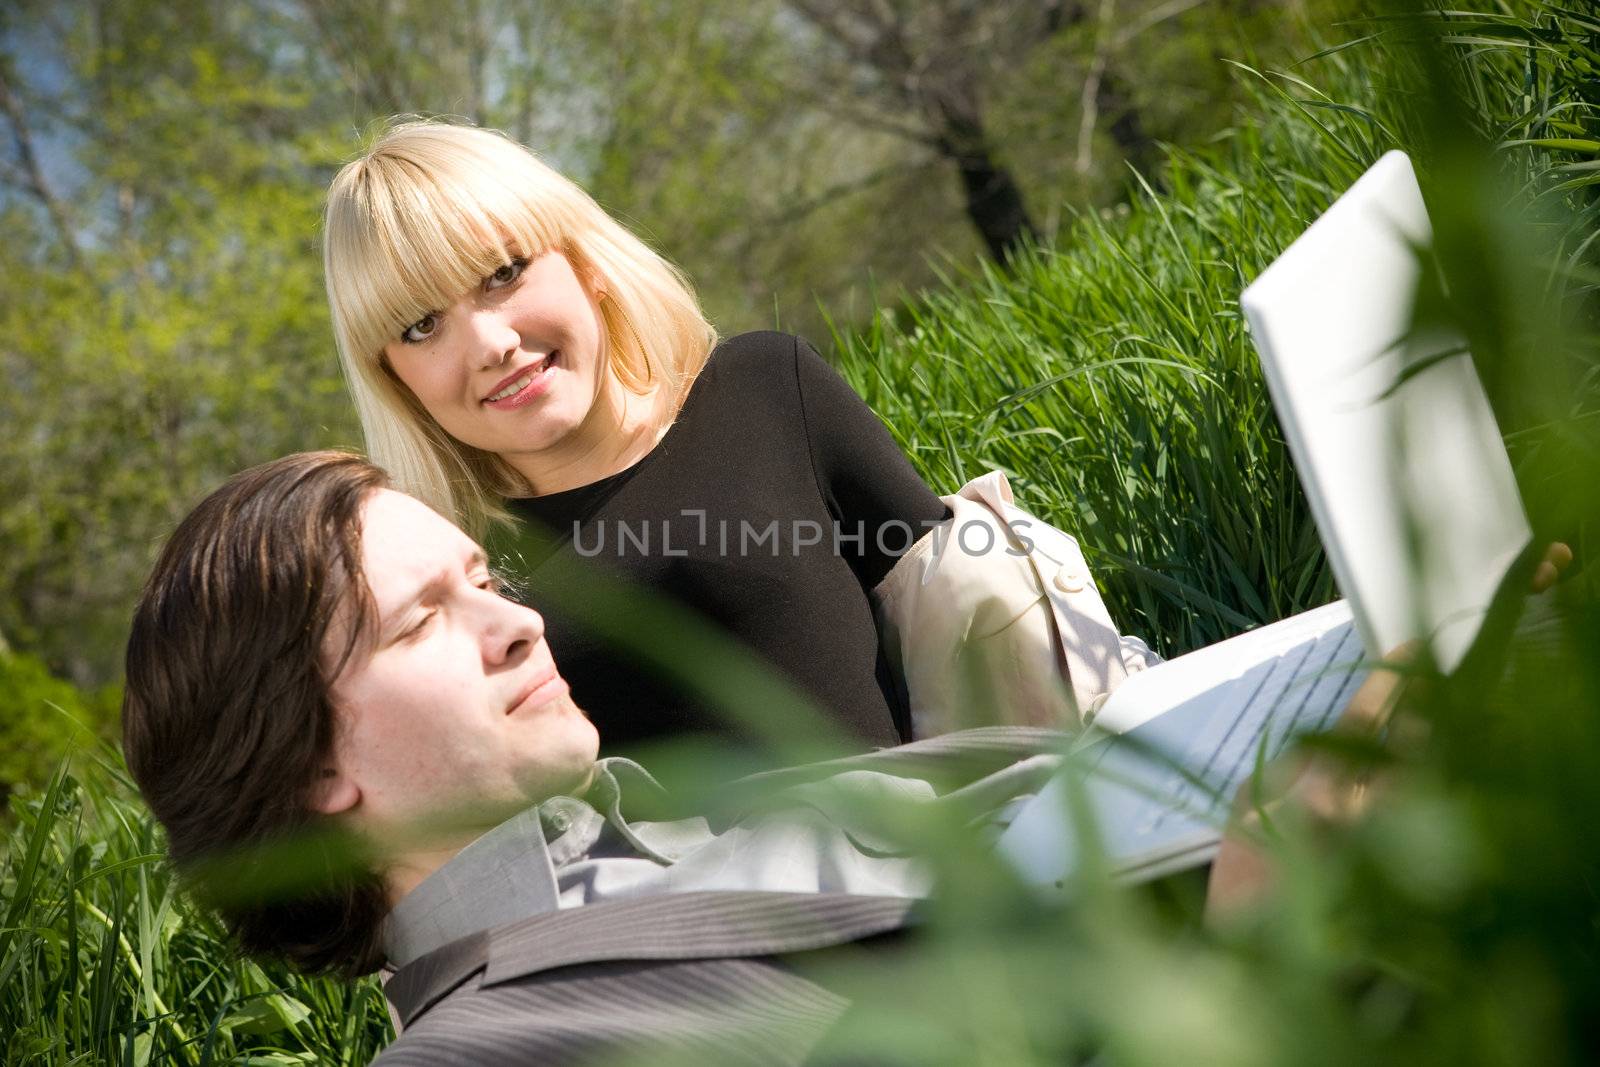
[[490, 584], [420, 330], [505, 275]]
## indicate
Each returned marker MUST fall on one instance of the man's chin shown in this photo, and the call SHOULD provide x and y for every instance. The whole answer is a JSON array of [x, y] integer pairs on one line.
[[583, 744], [585, 782], [574, 781]]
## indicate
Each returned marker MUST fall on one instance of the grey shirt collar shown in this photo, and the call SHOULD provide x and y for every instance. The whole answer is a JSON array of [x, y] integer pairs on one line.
[[503, 876], [511, 872]]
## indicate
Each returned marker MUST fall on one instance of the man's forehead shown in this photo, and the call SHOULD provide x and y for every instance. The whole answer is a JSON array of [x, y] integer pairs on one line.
[[404, 541]]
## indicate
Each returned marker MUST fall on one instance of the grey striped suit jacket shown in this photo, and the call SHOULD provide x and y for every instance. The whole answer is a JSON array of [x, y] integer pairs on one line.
[[688, 977], [681, 977]]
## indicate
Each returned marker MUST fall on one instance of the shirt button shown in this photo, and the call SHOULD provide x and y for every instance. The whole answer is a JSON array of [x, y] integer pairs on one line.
[[561, 821], [1069, 580]]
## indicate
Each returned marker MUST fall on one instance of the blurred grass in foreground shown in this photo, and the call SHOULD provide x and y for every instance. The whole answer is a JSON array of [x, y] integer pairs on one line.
[[1112, 379]]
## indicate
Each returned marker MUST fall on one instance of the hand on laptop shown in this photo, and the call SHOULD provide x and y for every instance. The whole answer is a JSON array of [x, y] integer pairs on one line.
[[1316, 788], [1556, 559], [1322, 790]]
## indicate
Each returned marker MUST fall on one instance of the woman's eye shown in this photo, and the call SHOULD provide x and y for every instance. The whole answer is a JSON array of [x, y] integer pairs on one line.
[[505, 275], [489, 584], [420, 330]]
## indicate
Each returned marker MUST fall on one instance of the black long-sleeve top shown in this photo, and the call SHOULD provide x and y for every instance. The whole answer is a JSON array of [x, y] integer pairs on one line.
[[769, 434]]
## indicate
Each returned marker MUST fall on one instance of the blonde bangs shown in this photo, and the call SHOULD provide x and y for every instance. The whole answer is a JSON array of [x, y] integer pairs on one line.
[[427, 213], [409, 249]]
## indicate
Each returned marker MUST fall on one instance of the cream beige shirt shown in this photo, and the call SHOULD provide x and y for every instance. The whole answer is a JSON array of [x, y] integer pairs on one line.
[[992, 618]]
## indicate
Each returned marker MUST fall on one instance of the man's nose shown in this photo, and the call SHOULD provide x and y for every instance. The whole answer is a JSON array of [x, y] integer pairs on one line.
[[510, 631], [492, 337]]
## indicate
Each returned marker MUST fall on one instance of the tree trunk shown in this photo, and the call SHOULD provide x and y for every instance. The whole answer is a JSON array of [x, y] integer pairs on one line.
[[1127, 125], [995, 203]]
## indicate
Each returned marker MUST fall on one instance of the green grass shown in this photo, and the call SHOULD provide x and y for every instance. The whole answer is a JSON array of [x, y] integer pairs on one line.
[[103, 961], [1111, 378]]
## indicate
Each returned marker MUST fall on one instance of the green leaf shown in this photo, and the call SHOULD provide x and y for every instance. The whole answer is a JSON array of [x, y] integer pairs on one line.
[[1561, 144], [266, 1015]]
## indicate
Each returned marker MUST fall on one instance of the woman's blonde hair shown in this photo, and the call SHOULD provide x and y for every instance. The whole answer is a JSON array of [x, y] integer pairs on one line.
[[422, 217]]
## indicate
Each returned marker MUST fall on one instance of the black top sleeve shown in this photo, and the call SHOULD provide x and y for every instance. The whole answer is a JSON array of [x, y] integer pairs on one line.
[[869, 486]]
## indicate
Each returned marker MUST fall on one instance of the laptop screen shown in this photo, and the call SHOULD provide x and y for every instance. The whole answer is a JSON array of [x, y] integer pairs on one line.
[[1392, 436]]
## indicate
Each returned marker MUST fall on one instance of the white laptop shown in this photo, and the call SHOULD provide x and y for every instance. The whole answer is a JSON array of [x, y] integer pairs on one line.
[[1413, 496]]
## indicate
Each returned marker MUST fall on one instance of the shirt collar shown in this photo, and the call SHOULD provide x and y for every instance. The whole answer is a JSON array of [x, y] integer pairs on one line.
[[662, 841], [509, 873], [502, 876]]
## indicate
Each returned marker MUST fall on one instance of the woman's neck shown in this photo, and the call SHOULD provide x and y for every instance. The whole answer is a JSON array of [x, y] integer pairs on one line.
[[621, 429]]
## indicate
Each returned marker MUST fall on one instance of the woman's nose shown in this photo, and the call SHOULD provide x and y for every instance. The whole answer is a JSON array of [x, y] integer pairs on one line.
[[492, 337]]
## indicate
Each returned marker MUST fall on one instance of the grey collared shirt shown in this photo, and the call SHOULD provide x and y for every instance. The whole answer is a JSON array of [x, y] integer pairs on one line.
[[567, 852]]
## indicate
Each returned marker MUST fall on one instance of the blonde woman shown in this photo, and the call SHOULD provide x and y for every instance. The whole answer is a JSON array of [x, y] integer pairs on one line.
[[518, 357]]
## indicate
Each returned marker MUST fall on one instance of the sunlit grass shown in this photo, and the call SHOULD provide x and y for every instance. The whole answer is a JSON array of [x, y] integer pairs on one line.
[[103, 961]]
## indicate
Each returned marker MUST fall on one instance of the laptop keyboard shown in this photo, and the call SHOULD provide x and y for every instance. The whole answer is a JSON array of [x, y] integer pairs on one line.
[[1301, 691]]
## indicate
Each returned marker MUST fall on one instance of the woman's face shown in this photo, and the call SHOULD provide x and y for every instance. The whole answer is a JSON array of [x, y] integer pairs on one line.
[[513, 367]]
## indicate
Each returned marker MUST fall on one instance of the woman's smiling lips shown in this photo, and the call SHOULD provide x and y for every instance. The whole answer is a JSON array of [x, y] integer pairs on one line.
[[544, 689], [523, 386]]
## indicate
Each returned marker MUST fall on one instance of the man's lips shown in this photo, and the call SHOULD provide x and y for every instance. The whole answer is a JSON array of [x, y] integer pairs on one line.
[[542, 689], [528, 370]]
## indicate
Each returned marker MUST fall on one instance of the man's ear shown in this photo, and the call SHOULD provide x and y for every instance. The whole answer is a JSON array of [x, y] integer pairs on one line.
[[333, 793]]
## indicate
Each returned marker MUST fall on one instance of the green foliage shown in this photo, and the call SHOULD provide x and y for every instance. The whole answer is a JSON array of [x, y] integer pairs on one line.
[[161, 302], [42, 717], [103, 960], [1112, 378], [180, 334]]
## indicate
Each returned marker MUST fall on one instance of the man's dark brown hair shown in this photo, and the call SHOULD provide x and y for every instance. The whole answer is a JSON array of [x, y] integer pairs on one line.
[[227, 720]]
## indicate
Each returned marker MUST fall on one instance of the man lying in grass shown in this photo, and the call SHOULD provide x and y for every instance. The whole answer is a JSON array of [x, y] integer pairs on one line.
[[314, 650]]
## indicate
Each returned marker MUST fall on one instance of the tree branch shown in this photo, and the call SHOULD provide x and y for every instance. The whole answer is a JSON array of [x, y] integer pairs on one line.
[[825, 17], [1059, 14], [1161, 14], [365, 60], [10, 175], [1090, 114], [864, 118], [879, 46], [798, 211], [32, 175]]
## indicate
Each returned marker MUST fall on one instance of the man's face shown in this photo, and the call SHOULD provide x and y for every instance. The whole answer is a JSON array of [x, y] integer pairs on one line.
[[451, 702]]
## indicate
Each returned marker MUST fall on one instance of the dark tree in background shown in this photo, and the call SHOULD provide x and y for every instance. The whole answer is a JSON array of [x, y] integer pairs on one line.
[[928, 62], [928, 72]]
